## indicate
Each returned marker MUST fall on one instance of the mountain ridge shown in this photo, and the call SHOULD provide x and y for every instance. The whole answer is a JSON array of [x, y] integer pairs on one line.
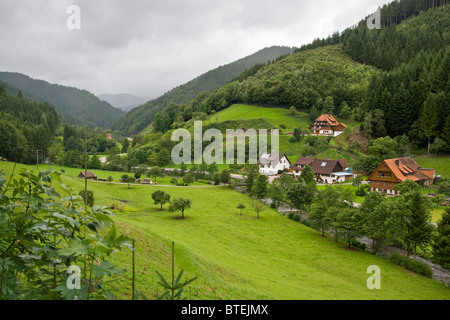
[[76, 106], [139, 118]]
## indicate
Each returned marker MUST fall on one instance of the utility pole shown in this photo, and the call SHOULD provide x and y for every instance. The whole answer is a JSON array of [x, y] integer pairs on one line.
[[37, 158], [85, 176]]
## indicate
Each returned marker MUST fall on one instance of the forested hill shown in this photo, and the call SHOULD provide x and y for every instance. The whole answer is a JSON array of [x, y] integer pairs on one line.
[[139, 118], [75, 106], [25, 126], [394, 80]]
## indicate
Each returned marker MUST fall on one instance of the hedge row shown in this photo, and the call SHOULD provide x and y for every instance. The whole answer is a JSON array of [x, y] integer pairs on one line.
[[415, 266]]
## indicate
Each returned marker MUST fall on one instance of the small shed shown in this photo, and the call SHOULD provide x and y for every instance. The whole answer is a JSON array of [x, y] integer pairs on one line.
[[90, 175]]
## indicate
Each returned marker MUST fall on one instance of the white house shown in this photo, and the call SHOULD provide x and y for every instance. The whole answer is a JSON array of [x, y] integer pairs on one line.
[[272, 163]]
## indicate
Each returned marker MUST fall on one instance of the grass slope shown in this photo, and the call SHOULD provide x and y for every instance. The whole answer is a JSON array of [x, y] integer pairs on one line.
[[275, 116], [240, 257]]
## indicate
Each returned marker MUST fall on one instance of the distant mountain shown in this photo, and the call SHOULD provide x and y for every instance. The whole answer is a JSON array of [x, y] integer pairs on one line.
[[123, 101], [75, 106], [139, 118]]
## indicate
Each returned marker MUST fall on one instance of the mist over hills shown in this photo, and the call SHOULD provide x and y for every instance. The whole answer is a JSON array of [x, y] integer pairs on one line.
[[123, 101], [139, 118]]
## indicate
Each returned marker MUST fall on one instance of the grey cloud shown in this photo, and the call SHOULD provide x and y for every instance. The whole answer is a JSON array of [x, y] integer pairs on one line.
[[148, 47]]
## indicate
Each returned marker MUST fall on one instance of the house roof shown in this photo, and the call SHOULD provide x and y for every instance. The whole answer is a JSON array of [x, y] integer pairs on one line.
[[322, 166], [90, 174], [403, 169], [331, 121], [269, 158]]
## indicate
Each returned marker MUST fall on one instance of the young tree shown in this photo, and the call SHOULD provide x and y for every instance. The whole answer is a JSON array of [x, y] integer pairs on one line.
[[292, 110], [357, 181], [429, 120], [110, 179], [260, 187], [320, 213], [411, 216], [180, 205], [90, 197], [252, 172], [348, 223], [161, 198], [212, 169], [298, 134], [163, 157], [128, 180], [241, 207], [188, 179], [155, 173], [376, 218], [441, 241], [94, 162], [258, 206], [307, 175], [438, 146], [326, 206], [301, 195], [225, 177]]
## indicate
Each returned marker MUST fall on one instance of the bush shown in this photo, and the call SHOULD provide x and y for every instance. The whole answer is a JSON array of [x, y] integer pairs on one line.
[[415, 266], [117, 206], [90, 197], [359, 245], [294, 216]]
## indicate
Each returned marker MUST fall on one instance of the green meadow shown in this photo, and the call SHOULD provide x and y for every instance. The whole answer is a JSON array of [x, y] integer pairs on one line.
[[238, 257], [275, 116]]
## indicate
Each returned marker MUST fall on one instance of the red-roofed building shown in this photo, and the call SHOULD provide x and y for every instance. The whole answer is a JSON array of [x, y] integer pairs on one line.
[[327, 125], [394, 171]]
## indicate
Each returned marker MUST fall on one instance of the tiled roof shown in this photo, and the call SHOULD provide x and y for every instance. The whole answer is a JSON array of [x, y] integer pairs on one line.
[[269, 158], [406, 168], [322, 166]]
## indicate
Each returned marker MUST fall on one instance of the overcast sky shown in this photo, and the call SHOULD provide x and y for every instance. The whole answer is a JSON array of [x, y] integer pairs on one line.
[[147, 47]]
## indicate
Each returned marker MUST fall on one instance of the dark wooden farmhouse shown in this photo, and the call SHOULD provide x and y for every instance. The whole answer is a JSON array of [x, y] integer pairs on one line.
[[394, 171]]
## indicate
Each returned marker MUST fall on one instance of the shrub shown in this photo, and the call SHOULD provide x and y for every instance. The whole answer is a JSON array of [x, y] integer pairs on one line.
[[90, 197], [117, 206], [359, 245], [294, 216], [415, 266]]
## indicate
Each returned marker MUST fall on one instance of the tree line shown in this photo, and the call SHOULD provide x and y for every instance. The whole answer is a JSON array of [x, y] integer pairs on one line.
[[27, 128], [403, 221]]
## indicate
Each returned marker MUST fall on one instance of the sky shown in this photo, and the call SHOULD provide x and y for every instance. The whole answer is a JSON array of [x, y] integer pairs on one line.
[[148, 47]]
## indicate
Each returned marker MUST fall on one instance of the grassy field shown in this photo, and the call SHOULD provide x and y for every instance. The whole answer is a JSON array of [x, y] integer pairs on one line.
[[441, 164], [275, 116], [241, 257]]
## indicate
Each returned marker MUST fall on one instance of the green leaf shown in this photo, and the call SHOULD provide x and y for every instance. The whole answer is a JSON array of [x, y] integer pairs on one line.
[[75, 248]]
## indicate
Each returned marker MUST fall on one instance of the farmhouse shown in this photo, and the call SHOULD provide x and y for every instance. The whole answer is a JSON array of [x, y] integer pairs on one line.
[[327, 125], [272, 163], [90, 175], [326, 171], [394, 171]]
